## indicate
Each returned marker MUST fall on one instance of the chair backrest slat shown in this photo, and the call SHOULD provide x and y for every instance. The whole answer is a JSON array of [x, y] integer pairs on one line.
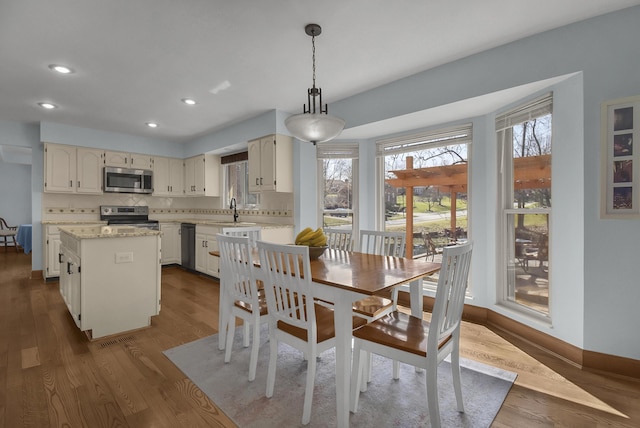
[[339, 239], [236, 268], [450, 294], [286, 273], [254, 233], [383, 243]]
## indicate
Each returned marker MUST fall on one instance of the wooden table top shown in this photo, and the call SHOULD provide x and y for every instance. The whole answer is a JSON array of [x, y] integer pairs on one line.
[[365, 273]]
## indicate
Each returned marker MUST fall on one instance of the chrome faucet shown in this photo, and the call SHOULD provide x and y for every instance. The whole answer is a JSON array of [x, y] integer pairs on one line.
[[233, 206]]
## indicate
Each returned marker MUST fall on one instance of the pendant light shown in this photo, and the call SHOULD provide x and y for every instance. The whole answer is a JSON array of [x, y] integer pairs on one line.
[[314, 124]]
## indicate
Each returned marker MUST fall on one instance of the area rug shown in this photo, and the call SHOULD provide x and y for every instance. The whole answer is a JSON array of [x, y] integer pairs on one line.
[[387, 402]]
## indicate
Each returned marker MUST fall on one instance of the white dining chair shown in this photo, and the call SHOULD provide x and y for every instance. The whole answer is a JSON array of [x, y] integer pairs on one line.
[[420, 343], [242, 298], [373, 307], [384, 244], [339, 239], [310, 328], [254, 233]]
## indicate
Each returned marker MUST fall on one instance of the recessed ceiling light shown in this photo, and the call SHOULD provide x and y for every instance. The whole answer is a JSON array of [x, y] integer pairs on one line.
[[152, 124], [48, 106], [189, 101], [62, 69]]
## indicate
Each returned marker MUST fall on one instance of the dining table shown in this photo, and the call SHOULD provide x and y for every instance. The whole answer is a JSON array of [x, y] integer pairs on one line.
[[344, 277]]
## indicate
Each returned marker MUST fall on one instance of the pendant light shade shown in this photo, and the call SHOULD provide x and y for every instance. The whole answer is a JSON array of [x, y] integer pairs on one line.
[[314, 126]]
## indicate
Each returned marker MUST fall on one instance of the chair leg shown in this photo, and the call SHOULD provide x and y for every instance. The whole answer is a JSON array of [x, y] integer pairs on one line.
[[308, 391], [432, 397], [231, 330], [396, 369], [365, 370], [245, 332], [356, 378], [255, 347], [273, 359], [457, 385]]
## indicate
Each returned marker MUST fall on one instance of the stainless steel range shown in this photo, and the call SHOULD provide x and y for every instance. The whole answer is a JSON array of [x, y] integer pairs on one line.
[[137, 216]]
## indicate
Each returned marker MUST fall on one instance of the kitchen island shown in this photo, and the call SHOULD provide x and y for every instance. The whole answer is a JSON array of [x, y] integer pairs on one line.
[[110, 277]]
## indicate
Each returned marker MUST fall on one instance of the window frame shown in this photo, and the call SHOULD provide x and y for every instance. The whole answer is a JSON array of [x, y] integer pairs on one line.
[[242, 203], [444, 136], [504, 124], [338, 151]]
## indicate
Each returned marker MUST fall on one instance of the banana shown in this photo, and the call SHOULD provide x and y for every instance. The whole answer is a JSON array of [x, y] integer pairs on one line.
[[311, 238], [302, 236], [319, 241]]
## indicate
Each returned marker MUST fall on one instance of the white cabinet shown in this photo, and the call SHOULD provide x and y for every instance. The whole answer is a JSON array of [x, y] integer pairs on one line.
[[168, 176], [205, 242], [71, 169], [202, 175], [127, 160], [271, 164], [70, 286], [89, 165], [52, 250], [170, 243], [110, 285]]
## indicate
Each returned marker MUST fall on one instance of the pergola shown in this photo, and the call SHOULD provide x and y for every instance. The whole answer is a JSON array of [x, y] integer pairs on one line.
[[531, 172]]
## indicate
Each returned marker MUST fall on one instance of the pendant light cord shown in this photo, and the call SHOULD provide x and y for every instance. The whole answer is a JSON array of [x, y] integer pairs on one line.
[[313, 58]]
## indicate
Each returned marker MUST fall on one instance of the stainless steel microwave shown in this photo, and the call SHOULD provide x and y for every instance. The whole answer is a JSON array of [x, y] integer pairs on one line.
[[126, 180]]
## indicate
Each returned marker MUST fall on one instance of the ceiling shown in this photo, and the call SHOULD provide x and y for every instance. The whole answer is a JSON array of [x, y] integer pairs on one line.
[[134, 60]]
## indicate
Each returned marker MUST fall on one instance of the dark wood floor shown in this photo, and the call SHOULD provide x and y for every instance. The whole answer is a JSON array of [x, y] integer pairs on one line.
[[52, 375]]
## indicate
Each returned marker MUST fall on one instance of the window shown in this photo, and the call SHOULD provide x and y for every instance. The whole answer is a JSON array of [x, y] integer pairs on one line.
[[338, 185], [439, 183], [236, 181], [524, 139]]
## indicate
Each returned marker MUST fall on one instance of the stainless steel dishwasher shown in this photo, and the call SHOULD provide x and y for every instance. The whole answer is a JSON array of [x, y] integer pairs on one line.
[[188, 241]]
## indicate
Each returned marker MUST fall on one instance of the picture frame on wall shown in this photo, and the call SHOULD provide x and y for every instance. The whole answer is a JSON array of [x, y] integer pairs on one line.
[[620, 160]]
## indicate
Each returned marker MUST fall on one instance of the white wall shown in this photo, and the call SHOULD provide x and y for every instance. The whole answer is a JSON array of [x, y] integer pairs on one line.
[[15, 197], [596, 266]]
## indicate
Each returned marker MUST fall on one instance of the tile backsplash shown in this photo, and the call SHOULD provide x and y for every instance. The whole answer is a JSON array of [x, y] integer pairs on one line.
[[61, 207]]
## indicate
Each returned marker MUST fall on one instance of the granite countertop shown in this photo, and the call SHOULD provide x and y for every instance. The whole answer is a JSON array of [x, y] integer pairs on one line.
[[91, 232], [219, 223], [72, 222], [222, 223]]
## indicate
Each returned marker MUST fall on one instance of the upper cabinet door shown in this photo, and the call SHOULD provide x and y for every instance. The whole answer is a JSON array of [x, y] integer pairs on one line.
[[90, 164], [254, 165], [139, 161], [271, 164], [268, 163], [176, 176], [202, 175], [116, 159], [60, 168], [161, 186], [127, 160]]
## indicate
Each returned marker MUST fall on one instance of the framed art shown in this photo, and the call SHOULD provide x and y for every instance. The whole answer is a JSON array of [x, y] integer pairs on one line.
[[620, 161]]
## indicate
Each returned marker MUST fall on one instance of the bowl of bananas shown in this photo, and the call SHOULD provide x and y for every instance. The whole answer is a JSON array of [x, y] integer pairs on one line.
[[316, 240]]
